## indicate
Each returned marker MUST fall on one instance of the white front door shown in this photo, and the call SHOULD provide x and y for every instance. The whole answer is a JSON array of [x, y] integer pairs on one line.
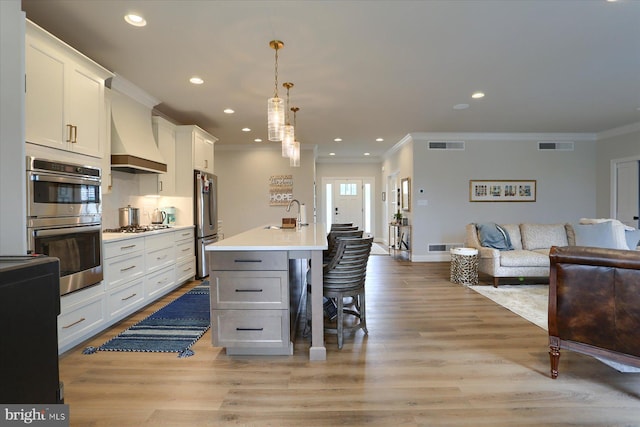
[[347, 205], [628, 193]]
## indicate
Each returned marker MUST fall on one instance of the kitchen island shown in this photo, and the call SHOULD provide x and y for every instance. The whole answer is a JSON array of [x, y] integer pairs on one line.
[[252, 289]]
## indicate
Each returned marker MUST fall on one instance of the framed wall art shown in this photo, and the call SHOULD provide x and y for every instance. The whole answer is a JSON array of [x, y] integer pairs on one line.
[[502, 191]]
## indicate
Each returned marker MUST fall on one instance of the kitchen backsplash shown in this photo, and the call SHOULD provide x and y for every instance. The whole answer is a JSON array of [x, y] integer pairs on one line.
[[125, 191]]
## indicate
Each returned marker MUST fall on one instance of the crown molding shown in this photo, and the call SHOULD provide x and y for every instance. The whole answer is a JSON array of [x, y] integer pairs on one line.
[[622, 130], [498, 136]]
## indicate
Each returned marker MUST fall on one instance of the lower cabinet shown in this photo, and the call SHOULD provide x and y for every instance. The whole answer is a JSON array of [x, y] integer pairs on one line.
[[250, 302], [137, 271]]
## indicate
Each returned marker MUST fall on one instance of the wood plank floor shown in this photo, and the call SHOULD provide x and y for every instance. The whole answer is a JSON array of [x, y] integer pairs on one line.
[[437, 354]]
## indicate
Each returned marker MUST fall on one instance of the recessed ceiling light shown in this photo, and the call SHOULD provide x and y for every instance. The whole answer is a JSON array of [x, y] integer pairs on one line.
[[332, 154], [461, 106], [246, 130], [478, 95], [135, 20], [379, 139], [228, 111], [367, 154], [196, 80], [338, 139], [257, 140]]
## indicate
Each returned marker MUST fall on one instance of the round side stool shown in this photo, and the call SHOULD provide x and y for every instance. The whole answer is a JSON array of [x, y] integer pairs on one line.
[[464, 266]]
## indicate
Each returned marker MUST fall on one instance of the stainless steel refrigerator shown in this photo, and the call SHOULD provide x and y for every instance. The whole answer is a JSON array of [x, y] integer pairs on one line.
[[206, 217]]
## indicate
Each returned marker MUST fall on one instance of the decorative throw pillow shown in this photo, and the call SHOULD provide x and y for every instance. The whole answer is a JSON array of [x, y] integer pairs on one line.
[[617, 229], [543, 236], [491, 235], [599, 235], [633, 238]]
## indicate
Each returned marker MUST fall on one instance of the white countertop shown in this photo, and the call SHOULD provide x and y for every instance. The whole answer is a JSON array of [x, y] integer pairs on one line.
[[112, 237], [308, 237]]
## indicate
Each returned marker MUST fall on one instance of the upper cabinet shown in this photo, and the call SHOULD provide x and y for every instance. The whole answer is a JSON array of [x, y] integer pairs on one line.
[[65, 105], [194, 151]]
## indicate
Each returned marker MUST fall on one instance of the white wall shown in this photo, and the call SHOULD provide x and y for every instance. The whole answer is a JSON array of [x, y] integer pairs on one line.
[[243, 181], [616, 144], [12, 147], [566, 183]]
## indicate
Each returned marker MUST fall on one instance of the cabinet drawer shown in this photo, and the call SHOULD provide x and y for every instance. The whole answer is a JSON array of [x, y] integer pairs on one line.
[[185, 249], [159, 258], [158, 241], [249, 289], [122, 269], [159, 281], [250, 328], [183, 234], [249, 260], [186, 270], [125, 299], [80, 319], [121, 247]]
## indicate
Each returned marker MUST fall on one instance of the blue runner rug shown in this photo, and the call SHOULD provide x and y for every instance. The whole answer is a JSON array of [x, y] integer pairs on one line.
[[172, 329]]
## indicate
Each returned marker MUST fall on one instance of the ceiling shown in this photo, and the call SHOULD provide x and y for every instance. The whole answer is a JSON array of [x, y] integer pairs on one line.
[[364, 70]]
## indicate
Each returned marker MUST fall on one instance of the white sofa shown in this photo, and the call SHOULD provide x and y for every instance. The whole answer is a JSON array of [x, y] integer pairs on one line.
[[532, 242], [530, 254]]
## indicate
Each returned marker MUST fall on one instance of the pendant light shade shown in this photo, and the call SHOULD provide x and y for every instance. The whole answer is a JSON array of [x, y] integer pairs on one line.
[[294, 151], [275, 118], [288, 135], [294, 158], [275, 105], [288, 138]]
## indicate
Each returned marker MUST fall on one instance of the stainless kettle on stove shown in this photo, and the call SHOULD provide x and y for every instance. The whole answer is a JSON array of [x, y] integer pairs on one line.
[[158, 216]]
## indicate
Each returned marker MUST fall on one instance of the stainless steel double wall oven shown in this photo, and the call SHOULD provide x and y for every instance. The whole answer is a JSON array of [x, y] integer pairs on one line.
[[64, 219]]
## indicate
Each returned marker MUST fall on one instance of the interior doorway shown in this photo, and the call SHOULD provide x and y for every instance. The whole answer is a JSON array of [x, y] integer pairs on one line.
[[627, 192], [349, 200]]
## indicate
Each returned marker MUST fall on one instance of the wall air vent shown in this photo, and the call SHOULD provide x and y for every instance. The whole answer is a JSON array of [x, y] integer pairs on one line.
[[443, 247], [446, 145], [555, 146]]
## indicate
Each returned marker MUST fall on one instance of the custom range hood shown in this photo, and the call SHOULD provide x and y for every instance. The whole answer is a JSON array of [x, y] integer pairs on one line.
[[133, 146]]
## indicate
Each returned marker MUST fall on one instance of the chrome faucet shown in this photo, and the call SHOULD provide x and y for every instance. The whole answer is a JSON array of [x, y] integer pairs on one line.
[[289, 209]]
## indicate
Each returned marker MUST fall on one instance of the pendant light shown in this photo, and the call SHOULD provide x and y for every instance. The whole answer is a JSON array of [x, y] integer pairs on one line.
[[275, 105], [294, 153], [288, 135]]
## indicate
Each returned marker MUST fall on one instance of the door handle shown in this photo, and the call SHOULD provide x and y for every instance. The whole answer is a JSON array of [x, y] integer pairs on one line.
[[636, 218]]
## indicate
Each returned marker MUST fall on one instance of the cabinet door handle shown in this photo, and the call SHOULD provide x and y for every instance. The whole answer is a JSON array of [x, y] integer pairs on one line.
[[247, 260], [75, 135], [248, 290], [128, 268], [82, 319], [69, 132], [187, 269], [206, 163], [186, 249], [161, 257], [122, 248], [249, 329], [129, 297]]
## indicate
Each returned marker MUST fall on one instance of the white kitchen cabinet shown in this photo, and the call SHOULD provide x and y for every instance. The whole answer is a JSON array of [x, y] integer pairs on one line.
[[64, 100], [185, 255], [162, 184], [124, 271], [194, 151], [82, 314]]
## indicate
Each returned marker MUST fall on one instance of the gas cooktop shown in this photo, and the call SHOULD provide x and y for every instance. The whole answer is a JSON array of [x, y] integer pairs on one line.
[[137, 228]]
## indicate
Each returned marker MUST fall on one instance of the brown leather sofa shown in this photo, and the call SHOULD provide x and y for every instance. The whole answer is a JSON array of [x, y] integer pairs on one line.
[[594, 304]]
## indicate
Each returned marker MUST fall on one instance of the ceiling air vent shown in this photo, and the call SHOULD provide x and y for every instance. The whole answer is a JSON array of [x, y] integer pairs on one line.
[[446, 145], [555, 146]]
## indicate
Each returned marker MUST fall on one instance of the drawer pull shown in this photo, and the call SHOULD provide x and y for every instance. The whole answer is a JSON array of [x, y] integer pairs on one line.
[[186, 234], [161, 257], [129, 297], [82, 319], [160, 282], [186, 249], [127, 247], [128, 268], [248, 290], [250, 329], [247, 260], [187, 269]]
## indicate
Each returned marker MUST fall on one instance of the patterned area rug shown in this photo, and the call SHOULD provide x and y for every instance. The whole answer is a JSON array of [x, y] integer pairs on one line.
[[532, 303], [172, 329], [528, 301]]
